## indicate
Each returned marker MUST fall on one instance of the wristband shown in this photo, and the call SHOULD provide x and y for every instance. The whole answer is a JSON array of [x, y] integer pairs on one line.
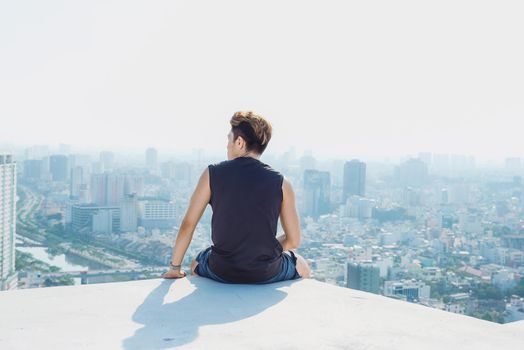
[[174, 267]]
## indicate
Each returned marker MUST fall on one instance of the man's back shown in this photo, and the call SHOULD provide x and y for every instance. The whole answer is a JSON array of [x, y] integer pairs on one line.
[[246, 198]]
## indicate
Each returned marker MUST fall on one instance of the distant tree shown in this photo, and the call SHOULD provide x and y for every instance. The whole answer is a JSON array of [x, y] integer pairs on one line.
[[62, 281], [48, 282], [56, 216], [487, 317], [501, 230], [22, 260], [488, 291], [57, 229], [395, 214], [517, 290]]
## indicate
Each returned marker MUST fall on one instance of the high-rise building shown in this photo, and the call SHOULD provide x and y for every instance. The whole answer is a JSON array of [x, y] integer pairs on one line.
[[107, 188], [98, 188], [88, 218], [75, 181], [46, 171], [152, 158], [317, 188], [354, 179], [8, 275], [33, 168], [115, 189], [64, 148], [363, 275], [134, 184], [459, 192], [359, 207], [59, 167], [426, 157], [441, 164], [106, 220], [107, 158], [167, 169], [36, 152], [129, 213], [83, 160], [307, 161], [83, 194], [97, 167], [183, 173], [80, 160], [461, 164], [413, 172], [157, 213]]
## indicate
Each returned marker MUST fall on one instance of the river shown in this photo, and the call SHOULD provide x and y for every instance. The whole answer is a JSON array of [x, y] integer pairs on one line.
[[66, 262]]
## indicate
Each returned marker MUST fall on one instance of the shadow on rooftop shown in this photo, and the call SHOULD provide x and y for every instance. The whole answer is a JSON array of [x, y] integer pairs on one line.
[[177, 323]]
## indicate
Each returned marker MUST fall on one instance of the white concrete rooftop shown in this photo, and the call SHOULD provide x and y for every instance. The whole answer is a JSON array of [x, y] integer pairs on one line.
[[198, 313]]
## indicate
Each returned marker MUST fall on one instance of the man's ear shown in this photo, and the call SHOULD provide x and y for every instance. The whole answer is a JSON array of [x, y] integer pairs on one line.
[[240, 141]]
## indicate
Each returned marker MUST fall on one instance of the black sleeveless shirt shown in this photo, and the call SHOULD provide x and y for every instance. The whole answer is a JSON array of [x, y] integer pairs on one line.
[[246, 197]]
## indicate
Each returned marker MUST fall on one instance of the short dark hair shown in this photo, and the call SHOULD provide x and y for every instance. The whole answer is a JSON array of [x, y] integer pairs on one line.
[[253, 128]]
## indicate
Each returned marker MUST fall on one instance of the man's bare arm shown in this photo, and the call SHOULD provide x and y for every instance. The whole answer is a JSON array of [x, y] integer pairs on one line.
[[289, 218], [197, 206]]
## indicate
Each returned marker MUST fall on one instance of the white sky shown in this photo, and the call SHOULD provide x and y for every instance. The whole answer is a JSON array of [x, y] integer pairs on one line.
[[337, 77]]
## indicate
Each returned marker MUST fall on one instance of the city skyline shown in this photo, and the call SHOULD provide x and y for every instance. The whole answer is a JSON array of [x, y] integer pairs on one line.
[[138, 153]]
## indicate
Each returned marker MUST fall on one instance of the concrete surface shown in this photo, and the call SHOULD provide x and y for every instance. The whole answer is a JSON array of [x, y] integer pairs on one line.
[[198, 313]]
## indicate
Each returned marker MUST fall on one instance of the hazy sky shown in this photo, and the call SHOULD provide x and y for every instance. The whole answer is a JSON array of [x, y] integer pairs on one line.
[[337, 77]]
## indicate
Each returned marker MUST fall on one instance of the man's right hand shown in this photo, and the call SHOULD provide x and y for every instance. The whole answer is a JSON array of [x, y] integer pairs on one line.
[[174, 274]]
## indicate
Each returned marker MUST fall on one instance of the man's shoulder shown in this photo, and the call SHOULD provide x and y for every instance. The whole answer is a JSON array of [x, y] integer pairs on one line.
[[273, 171], [219, 164]]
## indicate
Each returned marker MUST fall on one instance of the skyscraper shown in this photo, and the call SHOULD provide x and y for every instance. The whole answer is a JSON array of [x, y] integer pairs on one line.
[[107, 188], [59, 168], [317, 188], [134, 184], [354, 183], [115, 189], [413, 172], [167, 170], [184, 173], [75, 181], [363, 275], [307, 161], [152, 158], [36, 152], [129, 213], [8, 275], [107, 159], [33, 168]]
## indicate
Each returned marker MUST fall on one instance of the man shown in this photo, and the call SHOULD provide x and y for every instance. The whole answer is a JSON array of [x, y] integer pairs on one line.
[[247, 197]]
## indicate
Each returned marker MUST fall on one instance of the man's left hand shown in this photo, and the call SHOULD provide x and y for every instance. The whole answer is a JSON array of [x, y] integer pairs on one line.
[[174, 274]]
